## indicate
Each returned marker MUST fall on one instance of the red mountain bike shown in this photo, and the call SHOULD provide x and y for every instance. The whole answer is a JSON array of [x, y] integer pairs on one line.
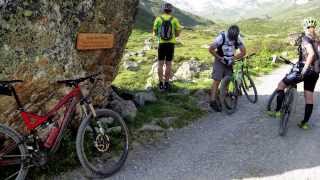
[[101, 143]]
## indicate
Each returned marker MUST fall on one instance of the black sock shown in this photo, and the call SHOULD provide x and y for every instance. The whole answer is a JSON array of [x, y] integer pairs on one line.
[[307, 113], [280, 99]]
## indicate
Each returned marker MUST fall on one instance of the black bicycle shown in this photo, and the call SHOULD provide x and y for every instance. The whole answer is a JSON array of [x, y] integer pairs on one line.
[[289, 99], [231, 86]]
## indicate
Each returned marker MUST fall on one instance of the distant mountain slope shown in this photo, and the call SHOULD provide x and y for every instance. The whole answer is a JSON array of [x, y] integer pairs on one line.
[[235, 10], [283, 22], [149, 9]]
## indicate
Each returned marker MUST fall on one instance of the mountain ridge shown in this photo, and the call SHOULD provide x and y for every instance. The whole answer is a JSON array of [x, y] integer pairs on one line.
[[149, 9]]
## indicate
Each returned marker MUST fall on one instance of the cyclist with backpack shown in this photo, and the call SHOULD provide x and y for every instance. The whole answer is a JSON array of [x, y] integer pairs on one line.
[[308, 72], [166, 27], [224, 49]]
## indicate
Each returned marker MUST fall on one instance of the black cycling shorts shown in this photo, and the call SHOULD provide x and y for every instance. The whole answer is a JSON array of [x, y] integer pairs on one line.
[[309, 81], [165, 51]]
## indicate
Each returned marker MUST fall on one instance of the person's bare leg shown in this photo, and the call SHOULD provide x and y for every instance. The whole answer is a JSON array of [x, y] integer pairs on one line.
[[214, 102], [167, 73], [281, 86], [214, 90], [160, 70]]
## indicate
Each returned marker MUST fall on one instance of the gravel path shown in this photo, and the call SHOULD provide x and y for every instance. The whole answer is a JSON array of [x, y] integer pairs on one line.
[[244, 145]]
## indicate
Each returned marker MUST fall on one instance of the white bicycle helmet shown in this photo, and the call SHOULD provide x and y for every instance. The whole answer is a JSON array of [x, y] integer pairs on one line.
[[309, 22]]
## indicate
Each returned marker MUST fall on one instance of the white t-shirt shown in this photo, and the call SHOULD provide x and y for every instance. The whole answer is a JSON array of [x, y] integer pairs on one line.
[[228, 47]]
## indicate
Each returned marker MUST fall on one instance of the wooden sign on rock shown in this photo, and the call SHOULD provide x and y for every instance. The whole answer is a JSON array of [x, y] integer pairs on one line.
[[91, 41]]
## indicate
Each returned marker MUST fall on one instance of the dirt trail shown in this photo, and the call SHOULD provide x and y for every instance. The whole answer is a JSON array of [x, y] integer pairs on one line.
[[245, 145]]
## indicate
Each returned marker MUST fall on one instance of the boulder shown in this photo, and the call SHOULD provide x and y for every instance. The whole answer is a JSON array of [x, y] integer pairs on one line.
[[142, 97], [126, 108], [131, 65], [188, 71], [169, 121], [38, 45], [151, 128]]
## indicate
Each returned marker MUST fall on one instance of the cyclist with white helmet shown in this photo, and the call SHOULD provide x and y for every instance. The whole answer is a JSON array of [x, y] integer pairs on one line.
[[308, 55]]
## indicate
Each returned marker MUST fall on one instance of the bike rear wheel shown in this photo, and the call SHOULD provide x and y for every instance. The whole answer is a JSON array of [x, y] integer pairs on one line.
[[229, 95], [249, 88], [102, 143], [13, 154]]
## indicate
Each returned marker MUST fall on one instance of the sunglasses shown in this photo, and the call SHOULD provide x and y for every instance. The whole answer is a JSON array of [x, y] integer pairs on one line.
[[310, 27]]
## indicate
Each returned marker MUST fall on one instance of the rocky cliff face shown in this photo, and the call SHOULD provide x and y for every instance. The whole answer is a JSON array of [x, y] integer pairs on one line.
[[37, 45]]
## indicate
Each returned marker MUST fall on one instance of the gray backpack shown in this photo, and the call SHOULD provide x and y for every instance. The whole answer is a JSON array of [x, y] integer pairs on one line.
[[303, 37], [166, 29]]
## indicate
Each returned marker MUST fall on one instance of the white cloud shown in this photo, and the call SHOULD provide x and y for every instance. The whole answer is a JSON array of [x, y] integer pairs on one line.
[[198, 5]]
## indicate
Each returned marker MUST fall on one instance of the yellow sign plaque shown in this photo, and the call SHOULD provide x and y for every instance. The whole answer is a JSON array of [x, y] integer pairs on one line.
[[91, 41]]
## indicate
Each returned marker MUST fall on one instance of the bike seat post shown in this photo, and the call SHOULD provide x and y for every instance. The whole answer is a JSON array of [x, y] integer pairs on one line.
[[16, 97]]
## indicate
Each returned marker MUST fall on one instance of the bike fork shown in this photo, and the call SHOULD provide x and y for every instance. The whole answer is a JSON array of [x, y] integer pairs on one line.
[[91, 108]]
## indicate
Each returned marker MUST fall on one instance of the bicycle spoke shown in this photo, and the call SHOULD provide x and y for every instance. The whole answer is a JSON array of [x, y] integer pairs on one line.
[[16, 173], [10, 162], [8, 148], [104, 144], [12, 175]]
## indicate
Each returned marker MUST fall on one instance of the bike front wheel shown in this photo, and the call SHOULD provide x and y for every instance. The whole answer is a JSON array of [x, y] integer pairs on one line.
[[249, 88], [13, 154], [102, 143], [229, 94], [272, 102], [283, 128], [286, 110]]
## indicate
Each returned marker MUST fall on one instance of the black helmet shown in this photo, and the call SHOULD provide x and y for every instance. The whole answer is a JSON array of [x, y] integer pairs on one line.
[[233, 32], [166, 7]]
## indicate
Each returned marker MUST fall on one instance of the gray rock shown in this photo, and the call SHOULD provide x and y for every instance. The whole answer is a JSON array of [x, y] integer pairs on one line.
[[151, 128], [204, 105], [142, 97], [184, 91], [200, 93], [169, 121], [141, 53], [153, 79], [131, 65], [187, 71], [205, 46], [126, 108], [148, 44]]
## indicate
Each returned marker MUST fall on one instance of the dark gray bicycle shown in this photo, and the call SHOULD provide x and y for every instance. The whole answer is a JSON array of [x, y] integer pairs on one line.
[[288, 102]]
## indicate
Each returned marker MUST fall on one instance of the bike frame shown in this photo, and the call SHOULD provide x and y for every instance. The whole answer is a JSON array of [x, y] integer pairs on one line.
[[237, 75], [33, 121]]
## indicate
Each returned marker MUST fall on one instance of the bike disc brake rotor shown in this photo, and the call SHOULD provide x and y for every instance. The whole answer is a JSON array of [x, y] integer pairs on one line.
[[102, 142]]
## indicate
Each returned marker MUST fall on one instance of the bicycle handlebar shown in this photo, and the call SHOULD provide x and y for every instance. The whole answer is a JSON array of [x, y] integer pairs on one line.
[[246, 57], [11, 82], [73, 82], [286, 60]]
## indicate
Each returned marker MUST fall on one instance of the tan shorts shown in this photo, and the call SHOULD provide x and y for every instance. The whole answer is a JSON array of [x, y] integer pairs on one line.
[[220, 70]]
